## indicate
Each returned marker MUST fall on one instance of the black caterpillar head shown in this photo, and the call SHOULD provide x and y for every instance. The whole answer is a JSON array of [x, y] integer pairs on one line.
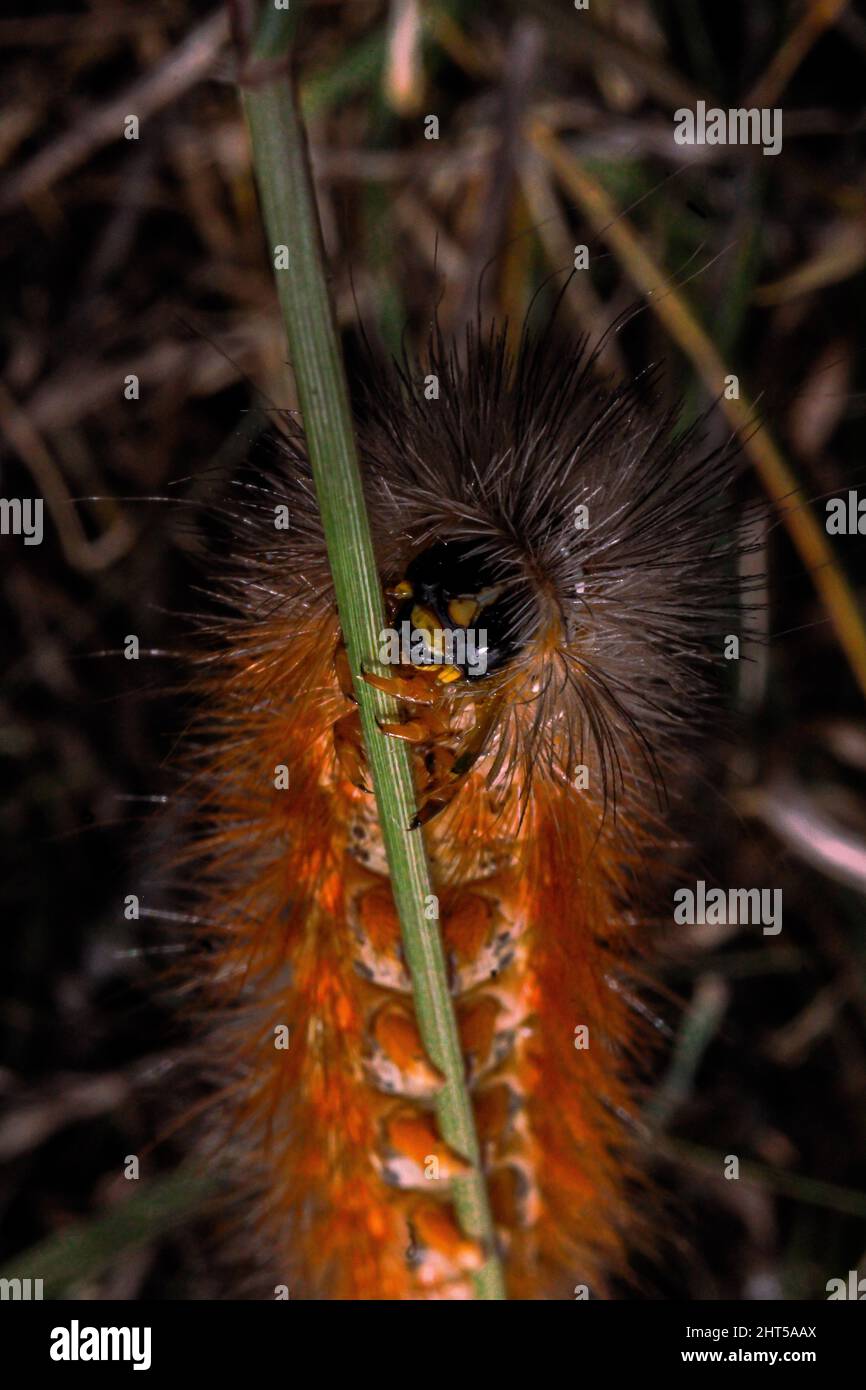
[[471, 614]]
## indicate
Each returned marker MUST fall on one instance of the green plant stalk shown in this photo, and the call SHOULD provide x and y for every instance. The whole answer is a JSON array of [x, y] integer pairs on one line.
[[81, 1251], [291, 221], [811, 1191]]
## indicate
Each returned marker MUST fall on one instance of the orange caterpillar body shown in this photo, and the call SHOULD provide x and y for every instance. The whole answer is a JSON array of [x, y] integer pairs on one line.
[[538, 849]]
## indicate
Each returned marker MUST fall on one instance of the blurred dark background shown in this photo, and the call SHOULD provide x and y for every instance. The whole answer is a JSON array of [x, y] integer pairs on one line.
[[145, 257]]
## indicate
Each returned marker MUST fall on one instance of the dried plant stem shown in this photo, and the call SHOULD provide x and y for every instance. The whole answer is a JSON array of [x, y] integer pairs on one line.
[[291, 221], [808, 536]]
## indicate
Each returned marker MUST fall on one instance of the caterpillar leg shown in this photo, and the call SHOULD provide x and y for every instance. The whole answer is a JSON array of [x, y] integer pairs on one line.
[[434, 774], [457, 766], [412, 731], [349, 748], [409, 686]]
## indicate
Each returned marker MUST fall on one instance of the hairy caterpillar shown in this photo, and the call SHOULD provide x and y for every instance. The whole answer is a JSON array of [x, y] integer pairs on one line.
[[567, 519]]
